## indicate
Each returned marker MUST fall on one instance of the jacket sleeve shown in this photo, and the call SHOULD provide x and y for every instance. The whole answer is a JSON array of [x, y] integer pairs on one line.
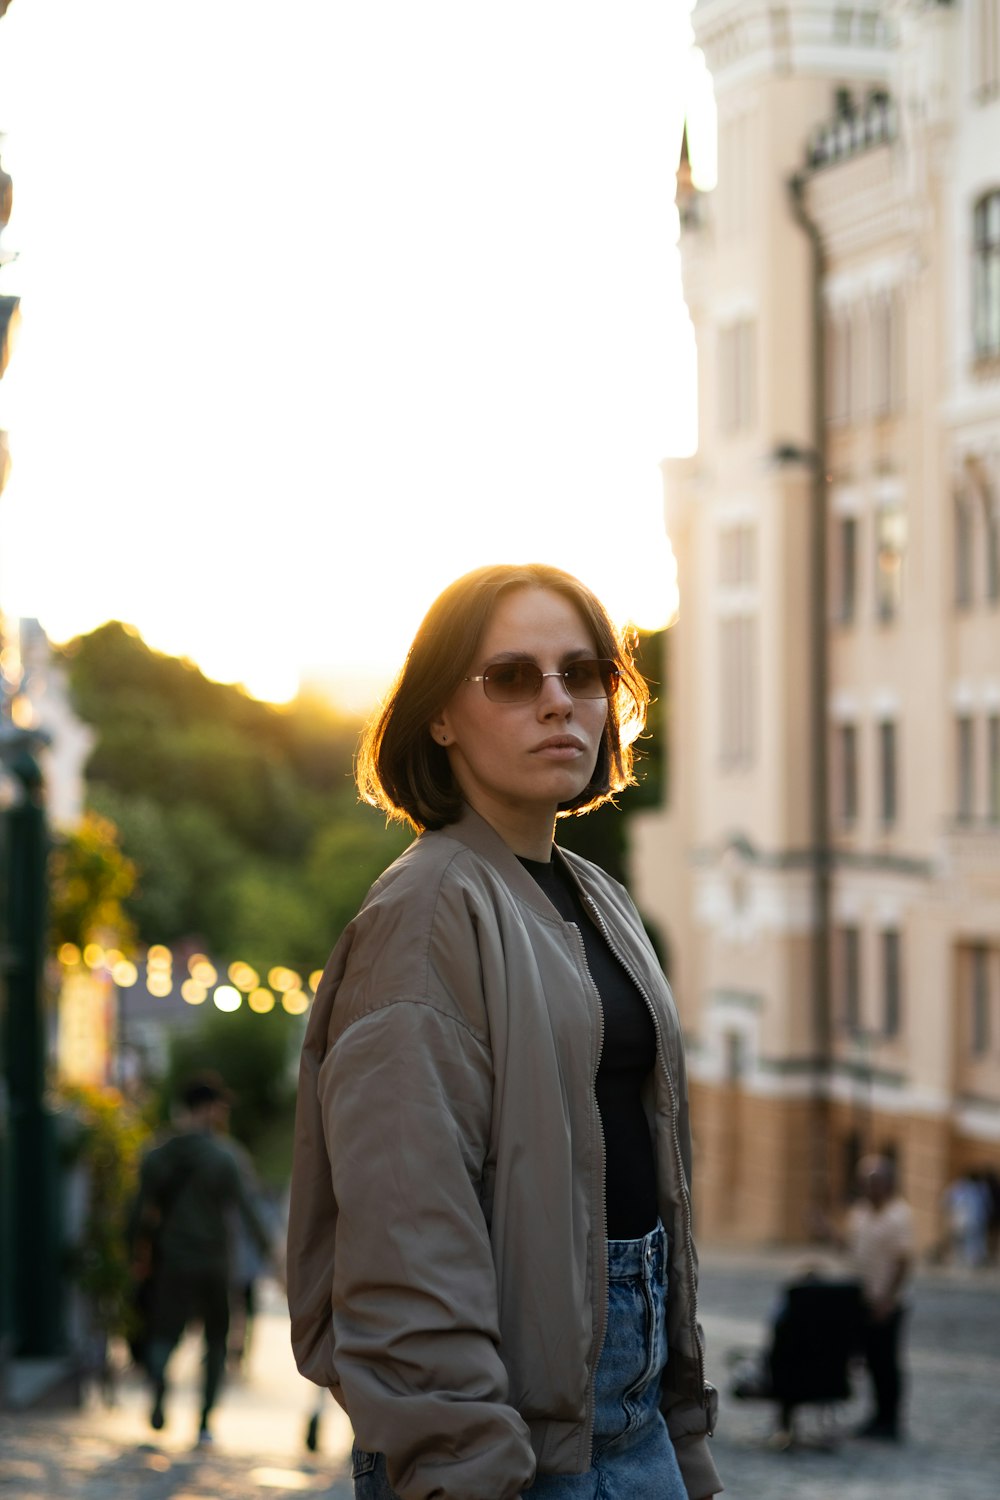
[[406, 1097]]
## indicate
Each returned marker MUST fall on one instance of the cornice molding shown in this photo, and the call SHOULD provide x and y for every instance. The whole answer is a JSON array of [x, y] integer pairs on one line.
[[743, 39]]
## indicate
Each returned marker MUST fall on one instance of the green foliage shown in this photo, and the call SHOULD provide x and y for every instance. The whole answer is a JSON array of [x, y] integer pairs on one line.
[[145, 828], [91, 881], [651, 749], [221, 802], [111, 1136], [347, 856], [256, 1055]]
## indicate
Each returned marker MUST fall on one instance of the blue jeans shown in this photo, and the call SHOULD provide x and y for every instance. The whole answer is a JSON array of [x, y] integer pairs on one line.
[[632, 1455]]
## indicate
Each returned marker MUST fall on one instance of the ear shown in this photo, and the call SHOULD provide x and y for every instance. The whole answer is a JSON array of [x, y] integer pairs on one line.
[[441, 729]]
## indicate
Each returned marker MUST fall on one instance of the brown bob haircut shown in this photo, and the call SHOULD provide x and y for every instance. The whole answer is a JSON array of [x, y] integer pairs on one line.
[[400, 767]]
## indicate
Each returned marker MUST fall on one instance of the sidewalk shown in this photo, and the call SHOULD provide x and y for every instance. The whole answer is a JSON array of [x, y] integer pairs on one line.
[[952, 1453], [110, 1452]]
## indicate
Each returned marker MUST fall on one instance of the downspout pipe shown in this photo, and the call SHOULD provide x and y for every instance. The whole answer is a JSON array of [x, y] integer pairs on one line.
[[819, 678]]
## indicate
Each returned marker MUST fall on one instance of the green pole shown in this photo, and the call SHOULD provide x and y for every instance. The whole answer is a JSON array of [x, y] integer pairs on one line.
[[36, 1282]]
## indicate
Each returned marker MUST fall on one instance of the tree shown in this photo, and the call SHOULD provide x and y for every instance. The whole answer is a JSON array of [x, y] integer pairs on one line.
[[255, 1054], [91, 880]]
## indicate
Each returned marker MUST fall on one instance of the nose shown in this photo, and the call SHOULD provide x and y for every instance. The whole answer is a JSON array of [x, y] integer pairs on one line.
[[554, 697]]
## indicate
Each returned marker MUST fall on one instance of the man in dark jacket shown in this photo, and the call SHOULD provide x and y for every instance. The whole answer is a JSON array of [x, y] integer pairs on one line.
[[188, 1189]]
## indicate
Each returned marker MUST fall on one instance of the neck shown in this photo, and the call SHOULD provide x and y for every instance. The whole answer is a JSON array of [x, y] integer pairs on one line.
[[526, 833]]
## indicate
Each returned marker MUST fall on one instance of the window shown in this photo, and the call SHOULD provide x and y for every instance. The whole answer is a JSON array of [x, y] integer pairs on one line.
[[890, 547], [847, 737], [966, 768], [737, 555], [985, 49], [887, 362], [993, 768], [891, 983], [888, 773], [870, 26], [846, 583], [991, 513], [838, 367], [850, 977], [986, 277], [735, 1056], [738, 650], [964, 549], [737, 376], [979, 998]]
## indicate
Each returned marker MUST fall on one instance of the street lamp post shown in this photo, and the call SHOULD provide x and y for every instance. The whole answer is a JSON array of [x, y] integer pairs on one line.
[[33, 1243]]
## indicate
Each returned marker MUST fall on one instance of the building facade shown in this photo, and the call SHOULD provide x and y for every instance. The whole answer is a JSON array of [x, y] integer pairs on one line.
[[827, 871]]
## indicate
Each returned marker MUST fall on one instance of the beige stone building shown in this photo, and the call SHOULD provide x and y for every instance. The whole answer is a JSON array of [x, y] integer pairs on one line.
[[827, 869]]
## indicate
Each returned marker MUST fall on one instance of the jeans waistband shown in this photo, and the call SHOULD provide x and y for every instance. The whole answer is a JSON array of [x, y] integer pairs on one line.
[[643, 1257]]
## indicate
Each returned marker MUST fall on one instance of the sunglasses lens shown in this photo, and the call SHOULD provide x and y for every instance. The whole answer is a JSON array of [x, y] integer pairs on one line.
[[521, 681], [591, 679], [513, 682]]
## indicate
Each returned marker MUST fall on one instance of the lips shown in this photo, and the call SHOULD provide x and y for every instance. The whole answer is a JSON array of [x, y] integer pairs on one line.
[[566, 743]]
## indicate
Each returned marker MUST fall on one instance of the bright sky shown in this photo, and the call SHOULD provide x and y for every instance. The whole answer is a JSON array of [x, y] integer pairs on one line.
[[325, 302]]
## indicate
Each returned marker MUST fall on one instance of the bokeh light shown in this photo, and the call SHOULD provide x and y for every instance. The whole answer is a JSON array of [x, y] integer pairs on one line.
[[283, 979], [243, 976]]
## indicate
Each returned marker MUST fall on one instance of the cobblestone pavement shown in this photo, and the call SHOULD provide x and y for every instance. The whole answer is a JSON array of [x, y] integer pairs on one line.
[[952, 1451]]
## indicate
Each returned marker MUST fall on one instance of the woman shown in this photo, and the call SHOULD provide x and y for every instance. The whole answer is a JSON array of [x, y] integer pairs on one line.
[[490, 1253]]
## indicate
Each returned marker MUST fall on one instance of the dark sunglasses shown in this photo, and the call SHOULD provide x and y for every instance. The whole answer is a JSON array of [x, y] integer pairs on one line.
[[520, 681]]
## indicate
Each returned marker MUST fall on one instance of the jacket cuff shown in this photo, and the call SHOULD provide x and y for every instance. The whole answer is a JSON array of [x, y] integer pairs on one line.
[[691, 1424], [697, 1466]]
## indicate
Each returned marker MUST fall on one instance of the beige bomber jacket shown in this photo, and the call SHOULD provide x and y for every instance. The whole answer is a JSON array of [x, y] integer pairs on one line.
[[447, 1278]]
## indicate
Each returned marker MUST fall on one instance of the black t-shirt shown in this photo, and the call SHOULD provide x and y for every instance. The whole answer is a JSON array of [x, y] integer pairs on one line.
[[627, 1058]]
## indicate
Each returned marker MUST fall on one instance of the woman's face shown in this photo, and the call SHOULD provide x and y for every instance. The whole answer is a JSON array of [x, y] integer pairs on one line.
[[516, 762]]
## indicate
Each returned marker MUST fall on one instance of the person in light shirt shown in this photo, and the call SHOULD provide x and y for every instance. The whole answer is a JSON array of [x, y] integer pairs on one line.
[[879, 1240]]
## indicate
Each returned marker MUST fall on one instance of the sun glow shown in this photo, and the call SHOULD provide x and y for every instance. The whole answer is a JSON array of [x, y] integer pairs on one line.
[[341, 324]]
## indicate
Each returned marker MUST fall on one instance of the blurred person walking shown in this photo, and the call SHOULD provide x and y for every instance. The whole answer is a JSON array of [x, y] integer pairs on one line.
[[491, 1261], [180, 1235], [248, 1262]]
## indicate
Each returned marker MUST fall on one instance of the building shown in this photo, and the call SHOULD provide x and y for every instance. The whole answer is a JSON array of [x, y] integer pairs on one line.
[[828, 869]]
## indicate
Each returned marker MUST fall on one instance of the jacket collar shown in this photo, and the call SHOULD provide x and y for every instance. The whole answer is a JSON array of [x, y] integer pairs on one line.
[[481, 837]]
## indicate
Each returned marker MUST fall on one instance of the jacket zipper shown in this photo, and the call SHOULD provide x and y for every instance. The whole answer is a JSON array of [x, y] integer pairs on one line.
[[678, 1154], [603, 1309]]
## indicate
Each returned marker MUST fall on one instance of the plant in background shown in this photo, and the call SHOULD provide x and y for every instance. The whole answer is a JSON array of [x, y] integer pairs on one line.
[[108, 1142], [90, 879]]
